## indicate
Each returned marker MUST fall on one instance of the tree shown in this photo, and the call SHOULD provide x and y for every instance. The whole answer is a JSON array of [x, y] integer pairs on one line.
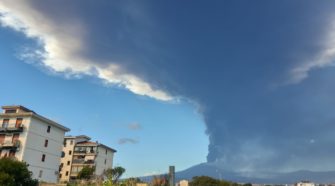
[[114, 174], [13, 173], [204, 181], [131, 181], [160, 181], [208, 181], [86, 173]]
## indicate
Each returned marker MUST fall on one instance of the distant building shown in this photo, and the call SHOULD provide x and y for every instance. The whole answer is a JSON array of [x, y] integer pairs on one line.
[[305, 183], [78, 152], [141, 184], [32, 138], [183, 183]]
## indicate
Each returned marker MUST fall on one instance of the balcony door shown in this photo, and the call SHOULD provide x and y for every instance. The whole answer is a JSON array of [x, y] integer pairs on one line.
[[18, 122], [2, 138], [5, 123], [15, 137], [12, 153]]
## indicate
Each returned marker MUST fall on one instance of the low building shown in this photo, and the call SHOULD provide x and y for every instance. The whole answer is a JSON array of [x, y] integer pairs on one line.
[[305, 183], [183, 183], [141, 184], [32, 138], [79, 151]]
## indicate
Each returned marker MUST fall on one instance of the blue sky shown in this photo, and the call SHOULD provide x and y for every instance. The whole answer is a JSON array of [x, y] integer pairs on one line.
[[149, 135], [246, 85]]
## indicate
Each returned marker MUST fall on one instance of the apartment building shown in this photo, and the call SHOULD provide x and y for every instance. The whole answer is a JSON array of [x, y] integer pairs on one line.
[[32, 138], [183, 183], [305, 183], [79, 151]]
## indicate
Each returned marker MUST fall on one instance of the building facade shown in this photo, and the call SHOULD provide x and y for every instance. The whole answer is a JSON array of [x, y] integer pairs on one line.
[[79, 151], [305, 183], [32, 138], [183, 183]]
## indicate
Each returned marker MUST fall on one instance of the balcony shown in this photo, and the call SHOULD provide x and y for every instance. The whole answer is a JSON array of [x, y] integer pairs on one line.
[[11, 128], [82, 162], [10, 145], [84, 152]]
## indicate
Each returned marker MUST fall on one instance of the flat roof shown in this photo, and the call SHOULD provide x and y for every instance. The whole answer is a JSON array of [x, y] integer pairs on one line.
[[79, 136], [91, 143], [17, 107], [32, 114], [105, 146]]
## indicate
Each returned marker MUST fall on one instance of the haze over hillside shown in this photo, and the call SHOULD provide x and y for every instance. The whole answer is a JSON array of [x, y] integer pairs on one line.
[[256, 177]]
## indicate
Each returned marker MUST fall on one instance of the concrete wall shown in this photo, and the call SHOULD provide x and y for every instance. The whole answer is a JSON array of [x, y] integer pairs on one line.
[[34, 149], [68, 157], [100, 160]]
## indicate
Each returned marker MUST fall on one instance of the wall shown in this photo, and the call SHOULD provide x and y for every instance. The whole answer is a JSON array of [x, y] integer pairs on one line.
[[34, 148], [67, 168], [100, 160]]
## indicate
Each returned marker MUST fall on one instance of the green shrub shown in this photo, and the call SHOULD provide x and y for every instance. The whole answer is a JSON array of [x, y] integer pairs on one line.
[[14, 173]]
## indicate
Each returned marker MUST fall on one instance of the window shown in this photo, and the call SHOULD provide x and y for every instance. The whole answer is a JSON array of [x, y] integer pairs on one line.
[[105, 161], [18, 122], [11, 153], [68, 162], [64, 142], [15, 137], [63, 154], [9, 111], [2, 138], [46, 143], [60, 167], [5, 123], [43, 157], [40, 174], [48, 130], [67, 173], [106, 151], [71, 142], [60, 175], [70, 152]]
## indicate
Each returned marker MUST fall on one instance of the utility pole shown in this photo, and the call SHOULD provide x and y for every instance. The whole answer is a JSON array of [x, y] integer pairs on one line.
[[171, 176]]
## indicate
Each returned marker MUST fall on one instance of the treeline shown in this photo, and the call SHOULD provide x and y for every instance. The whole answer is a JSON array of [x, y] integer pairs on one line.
[[209, 181]]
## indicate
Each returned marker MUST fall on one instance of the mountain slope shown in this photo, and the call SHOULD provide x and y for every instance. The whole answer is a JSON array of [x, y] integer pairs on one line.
[[264, 177]]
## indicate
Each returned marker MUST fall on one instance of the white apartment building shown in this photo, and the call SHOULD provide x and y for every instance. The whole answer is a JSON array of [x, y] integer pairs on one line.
[[182, 183], [78, 152], [32, 138], [305, 183]]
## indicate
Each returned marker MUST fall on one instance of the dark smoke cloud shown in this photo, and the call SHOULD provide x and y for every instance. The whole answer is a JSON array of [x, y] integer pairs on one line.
[[256, 68]]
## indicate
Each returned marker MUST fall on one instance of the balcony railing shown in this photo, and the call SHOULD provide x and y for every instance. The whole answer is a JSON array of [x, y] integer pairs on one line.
[[82, 161], [84, 152], [10, 145], [11, 128]]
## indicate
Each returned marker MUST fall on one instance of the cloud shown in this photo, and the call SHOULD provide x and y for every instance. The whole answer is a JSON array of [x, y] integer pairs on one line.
[[134, 126], [61, 45], [224, 60], [124, 141], [324, 58]]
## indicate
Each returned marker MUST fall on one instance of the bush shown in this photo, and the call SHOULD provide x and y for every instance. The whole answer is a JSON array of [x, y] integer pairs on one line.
[[208, 181], [13, 173], [86, 173]]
